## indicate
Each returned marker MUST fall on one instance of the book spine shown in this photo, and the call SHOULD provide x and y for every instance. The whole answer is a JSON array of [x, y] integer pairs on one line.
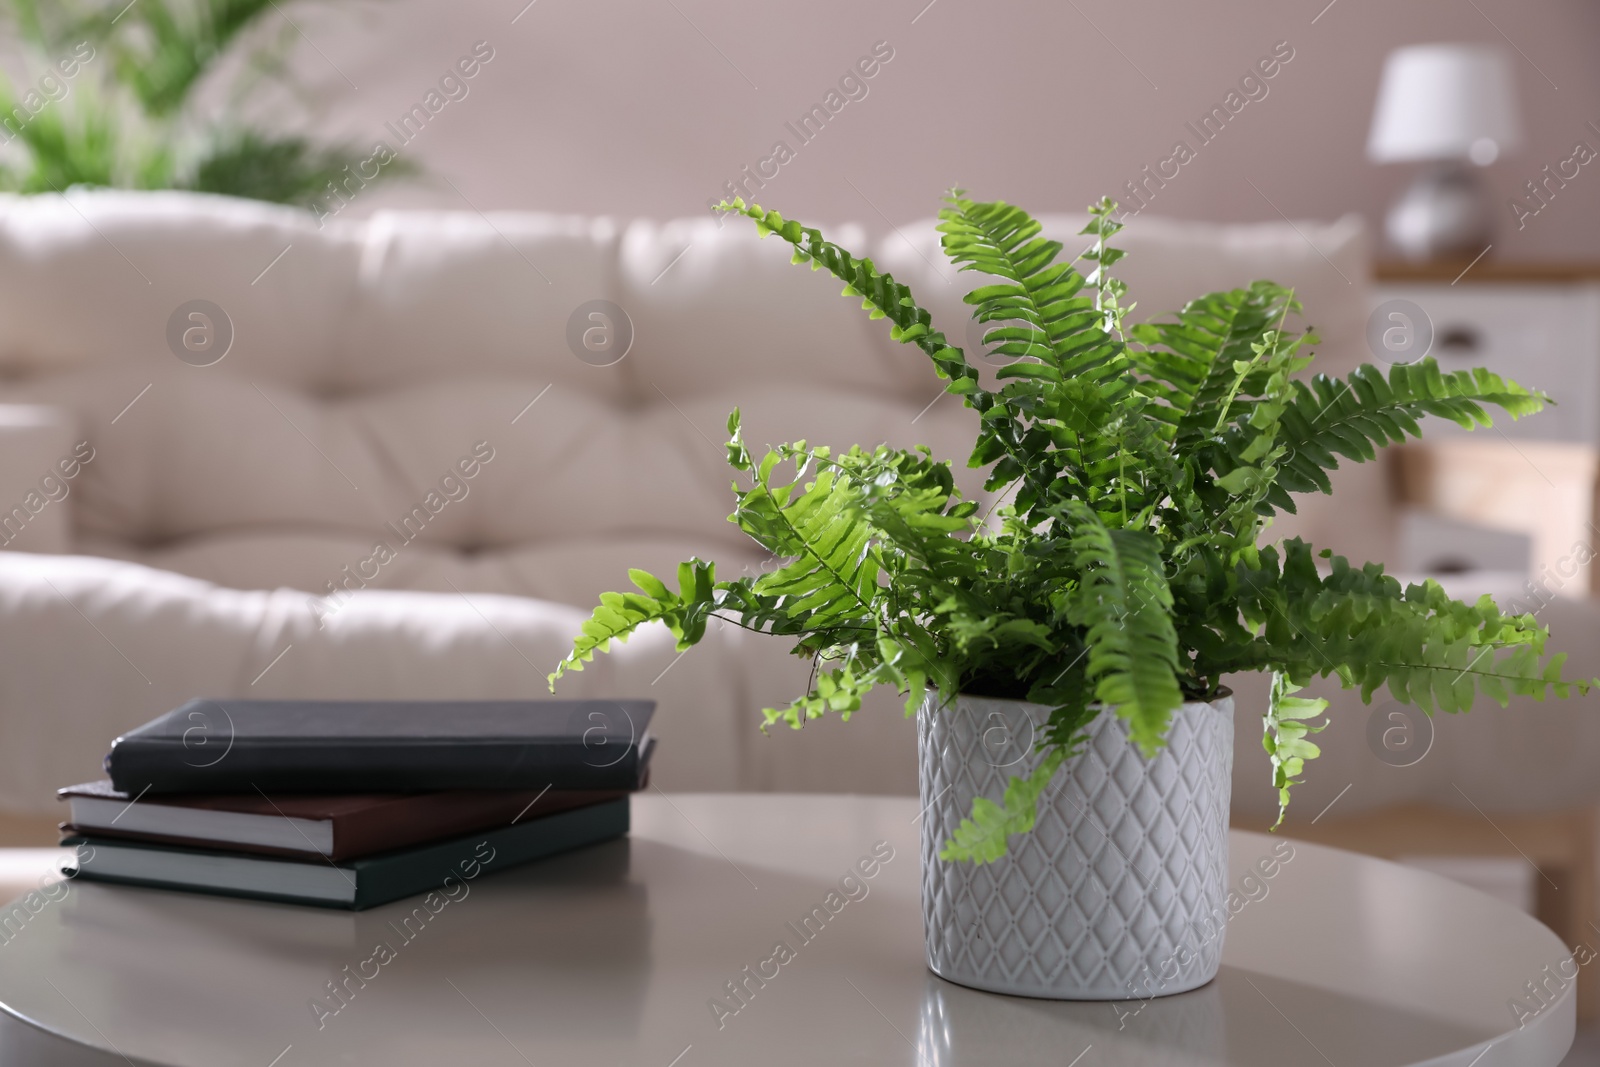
[[381, 880], [444, 866], [136, 764], [413, 820]]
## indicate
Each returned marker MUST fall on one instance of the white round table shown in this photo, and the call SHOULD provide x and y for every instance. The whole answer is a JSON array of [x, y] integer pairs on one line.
[[622, 953]]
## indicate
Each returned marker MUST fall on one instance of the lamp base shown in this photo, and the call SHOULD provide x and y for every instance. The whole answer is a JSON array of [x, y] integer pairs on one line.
[[1443, 215]]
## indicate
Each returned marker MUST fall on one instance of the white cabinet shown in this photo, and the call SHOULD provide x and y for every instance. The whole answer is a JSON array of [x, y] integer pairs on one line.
[[1520, 496], [1542, 335]]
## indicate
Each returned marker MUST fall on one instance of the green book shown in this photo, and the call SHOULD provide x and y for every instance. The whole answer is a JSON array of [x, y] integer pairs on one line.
[[443, 867]]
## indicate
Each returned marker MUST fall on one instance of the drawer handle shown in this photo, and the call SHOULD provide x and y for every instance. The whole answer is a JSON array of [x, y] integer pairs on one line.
[[1459, 340]]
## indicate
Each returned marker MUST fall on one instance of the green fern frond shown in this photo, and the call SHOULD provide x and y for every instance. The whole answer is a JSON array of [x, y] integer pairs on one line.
[[1109, 290], [880, 294], [1063, 332], [1355, 416], [1285, 734], [1426, 648], [1187, 365], [1070, 379], [1002, 240], [621, 614], [820, 527], [1124, 603], [983, 837]]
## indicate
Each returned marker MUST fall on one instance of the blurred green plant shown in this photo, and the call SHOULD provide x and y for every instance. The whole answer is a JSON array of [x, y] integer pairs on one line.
[[117, 102]]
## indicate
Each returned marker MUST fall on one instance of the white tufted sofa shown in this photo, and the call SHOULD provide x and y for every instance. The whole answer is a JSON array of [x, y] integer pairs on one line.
[[375, 363]]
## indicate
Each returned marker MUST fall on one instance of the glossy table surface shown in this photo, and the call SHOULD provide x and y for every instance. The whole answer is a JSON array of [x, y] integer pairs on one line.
[[621, 953]]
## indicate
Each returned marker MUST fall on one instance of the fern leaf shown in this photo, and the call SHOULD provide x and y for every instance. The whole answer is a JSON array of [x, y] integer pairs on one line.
[[620, 614], [1062, 329], [1284, 736], [821, 529], [1424, 647], [982, 837], [1071, 373], [1187, 365], [1355, 416], [879, 293], [1125, 604]]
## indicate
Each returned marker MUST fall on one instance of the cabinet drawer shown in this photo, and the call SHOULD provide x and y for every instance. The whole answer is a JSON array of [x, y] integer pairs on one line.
[[1545, 337], [1433, 545]]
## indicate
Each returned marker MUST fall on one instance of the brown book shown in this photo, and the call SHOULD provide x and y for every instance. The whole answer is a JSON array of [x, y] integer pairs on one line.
[[336, 826]]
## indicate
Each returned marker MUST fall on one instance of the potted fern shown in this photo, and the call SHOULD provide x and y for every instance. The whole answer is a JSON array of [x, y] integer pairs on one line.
[[1086, 623]]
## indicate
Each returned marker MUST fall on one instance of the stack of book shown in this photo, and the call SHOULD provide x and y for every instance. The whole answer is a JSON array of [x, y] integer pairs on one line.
[[351, 804]]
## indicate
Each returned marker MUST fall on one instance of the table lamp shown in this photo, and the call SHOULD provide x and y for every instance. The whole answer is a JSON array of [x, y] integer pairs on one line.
[[1448, 105]]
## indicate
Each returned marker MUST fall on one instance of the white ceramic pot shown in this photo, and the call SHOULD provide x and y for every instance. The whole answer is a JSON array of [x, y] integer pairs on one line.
[[1119, 893]]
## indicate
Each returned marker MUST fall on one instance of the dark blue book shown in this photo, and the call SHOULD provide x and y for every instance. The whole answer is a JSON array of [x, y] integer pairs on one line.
[[444, 867], [381, 746]]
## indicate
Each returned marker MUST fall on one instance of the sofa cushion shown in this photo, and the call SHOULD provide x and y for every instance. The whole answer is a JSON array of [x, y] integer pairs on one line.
[[717, 308], [134, 258], [199, 462], [375, 356], [333, 567], [442, 295]]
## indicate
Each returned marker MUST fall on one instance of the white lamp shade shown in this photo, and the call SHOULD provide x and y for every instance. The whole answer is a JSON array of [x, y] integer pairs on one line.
[[1445, 101]]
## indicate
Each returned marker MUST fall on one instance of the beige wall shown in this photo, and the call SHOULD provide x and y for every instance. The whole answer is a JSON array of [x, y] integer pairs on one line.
[[627, 106]]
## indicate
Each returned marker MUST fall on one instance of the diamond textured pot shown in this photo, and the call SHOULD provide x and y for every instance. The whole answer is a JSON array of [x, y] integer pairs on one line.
[[1120, 891]]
